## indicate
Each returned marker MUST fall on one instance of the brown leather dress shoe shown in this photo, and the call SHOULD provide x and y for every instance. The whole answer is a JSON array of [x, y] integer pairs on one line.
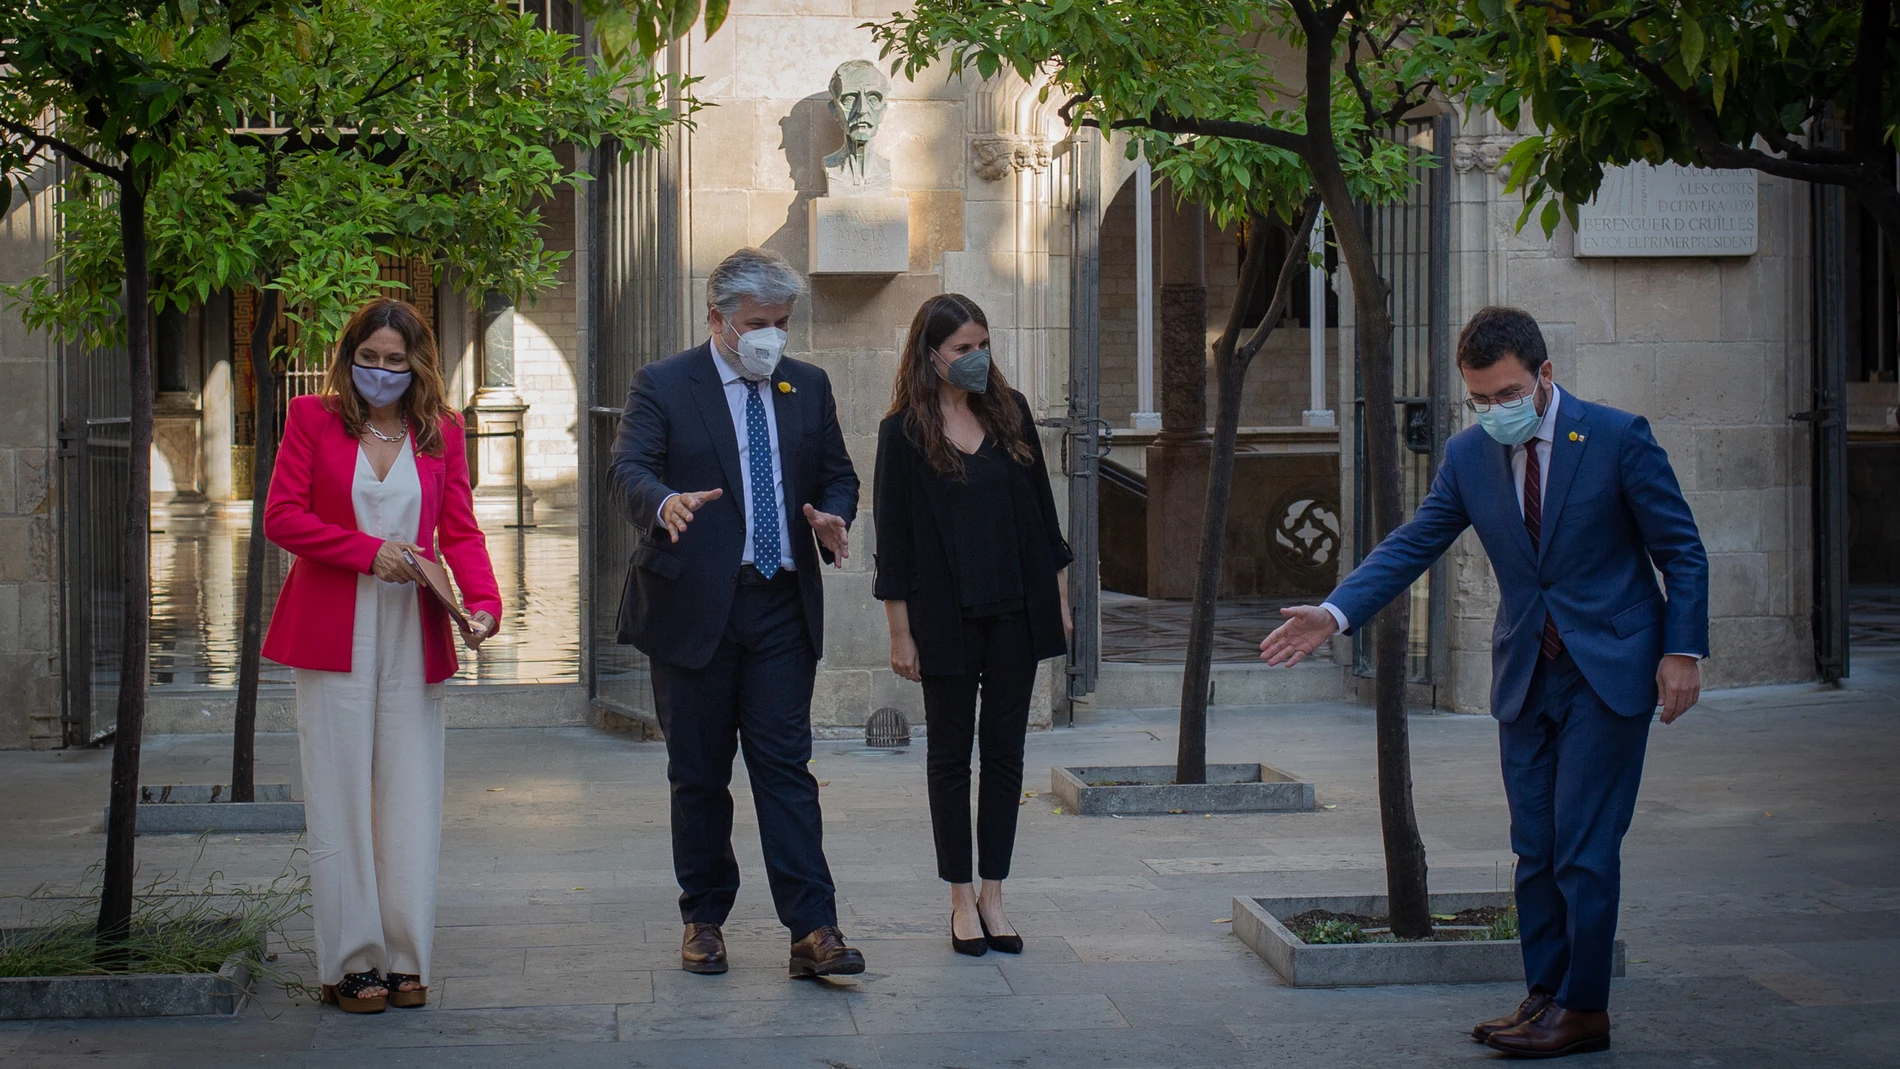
[[823, 953], [703, 949], [1554, 1033], [1533, 1004]]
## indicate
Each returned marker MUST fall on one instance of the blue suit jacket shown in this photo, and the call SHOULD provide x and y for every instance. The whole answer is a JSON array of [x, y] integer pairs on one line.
[[1612, 509], [676, 435]]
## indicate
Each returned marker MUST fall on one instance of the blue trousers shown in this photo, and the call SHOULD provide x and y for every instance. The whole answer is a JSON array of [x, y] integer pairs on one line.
[[755, 694], [1571, 771]]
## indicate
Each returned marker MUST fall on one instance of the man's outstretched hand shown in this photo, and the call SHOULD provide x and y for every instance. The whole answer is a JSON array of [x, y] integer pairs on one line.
[[1306, 627], [677, 511], [832, 533]]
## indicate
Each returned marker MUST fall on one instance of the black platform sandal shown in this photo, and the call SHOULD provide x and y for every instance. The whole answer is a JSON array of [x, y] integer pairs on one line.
[[347, 996], [410, 999]]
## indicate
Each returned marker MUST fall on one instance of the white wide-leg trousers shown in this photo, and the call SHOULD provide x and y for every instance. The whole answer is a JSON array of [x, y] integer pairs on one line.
[[371, 741]]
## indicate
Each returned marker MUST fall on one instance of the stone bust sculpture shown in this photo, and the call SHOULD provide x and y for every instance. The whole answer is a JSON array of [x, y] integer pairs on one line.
[[858, 94]]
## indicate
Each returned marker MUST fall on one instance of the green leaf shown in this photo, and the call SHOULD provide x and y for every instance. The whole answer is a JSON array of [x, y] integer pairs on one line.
[[716, 15], [1692, 44]]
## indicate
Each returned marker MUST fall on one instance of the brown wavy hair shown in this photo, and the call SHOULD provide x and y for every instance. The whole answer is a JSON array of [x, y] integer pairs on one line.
[[916, 391], [424, 404]]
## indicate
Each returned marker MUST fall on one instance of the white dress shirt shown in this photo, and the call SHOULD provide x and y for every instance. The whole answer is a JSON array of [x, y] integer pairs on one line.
[[735, 387]]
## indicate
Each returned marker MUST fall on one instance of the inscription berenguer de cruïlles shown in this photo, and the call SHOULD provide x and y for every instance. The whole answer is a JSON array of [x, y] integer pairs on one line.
[[1669, 210]]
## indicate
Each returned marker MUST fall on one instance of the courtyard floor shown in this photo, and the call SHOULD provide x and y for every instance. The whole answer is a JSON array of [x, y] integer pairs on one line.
[[1761, 907]]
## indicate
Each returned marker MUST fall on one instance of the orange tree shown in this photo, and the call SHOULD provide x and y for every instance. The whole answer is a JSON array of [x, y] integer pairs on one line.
[[1193, 71]]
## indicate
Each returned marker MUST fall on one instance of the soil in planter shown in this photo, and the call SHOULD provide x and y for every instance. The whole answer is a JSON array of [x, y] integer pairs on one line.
[[1322, 927]]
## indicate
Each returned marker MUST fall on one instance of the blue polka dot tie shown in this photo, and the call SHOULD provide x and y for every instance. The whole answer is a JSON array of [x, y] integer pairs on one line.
[[764, 501]]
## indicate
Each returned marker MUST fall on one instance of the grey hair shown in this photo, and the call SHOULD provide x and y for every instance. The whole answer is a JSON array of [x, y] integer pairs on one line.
[[760, 274], [837, 76]]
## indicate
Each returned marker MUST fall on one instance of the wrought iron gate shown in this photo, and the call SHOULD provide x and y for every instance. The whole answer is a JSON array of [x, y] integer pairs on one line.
[[95, 459], [1084, 428], [1412, 240], [633, 212], [1827, 416]]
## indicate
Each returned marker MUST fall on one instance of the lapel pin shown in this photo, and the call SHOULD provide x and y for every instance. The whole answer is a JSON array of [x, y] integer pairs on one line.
[[1575, 437], [786, 387]]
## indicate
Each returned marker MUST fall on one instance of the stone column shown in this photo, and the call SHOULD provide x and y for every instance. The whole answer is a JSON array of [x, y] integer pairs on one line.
[[176, 482], [497, 409], [1178, 460]]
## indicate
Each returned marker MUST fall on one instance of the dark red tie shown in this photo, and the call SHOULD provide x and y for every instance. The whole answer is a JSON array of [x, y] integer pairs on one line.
[[1553, 644]]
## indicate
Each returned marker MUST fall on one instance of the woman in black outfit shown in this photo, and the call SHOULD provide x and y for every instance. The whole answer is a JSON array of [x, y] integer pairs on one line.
[[970, 561]]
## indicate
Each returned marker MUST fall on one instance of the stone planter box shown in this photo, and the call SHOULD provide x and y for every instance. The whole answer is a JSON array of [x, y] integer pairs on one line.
[[1257, 923], [145, 995], [1150, 789], [196, 809]]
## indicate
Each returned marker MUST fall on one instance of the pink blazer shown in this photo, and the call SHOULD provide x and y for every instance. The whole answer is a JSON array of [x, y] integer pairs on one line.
[[310, 514]]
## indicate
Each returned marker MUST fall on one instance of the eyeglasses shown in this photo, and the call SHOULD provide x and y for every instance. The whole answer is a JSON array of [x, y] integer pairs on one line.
[[1512, 397]]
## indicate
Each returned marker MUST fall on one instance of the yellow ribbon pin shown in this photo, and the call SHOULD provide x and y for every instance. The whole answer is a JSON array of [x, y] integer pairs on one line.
[[786, 387], [1575, 437]]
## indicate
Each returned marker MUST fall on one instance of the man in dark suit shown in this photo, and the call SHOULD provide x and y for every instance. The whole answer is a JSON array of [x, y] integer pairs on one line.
[[1577, 508], [731, 462]]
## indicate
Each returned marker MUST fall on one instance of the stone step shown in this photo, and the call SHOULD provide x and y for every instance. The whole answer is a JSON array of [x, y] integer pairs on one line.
[[210, 710], [1158, 686]]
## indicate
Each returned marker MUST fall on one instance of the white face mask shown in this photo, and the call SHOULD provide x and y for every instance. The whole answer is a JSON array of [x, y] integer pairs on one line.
[[759, 351]]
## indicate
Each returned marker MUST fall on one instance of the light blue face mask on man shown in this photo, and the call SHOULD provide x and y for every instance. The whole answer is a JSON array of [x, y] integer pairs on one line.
[[1513, 422]]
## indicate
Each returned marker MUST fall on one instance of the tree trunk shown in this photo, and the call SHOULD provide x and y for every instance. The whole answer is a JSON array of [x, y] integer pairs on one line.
[[1231, 361], [1190, 759], [1408, 903], [264, 457], [115, 896]]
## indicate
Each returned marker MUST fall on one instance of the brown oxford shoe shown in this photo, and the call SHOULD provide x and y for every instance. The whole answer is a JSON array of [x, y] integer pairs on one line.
[[1532, 1005], [1553, 1034], [823, 953], [703, 949]]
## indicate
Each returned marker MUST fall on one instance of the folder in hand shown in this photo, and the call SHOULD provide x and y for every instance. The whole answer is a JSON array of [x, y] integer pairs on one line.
[[435, 579]]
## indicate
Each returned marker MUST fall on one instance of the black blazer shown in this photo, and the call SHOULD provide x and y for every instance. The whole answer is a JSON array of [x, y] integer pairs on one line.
[[913, 564], [676, 435]]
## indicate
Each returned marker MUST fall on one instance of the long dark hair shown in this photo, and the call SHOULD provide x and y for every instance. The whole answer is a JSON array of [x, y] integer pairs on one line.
[[424, 404], [916, 391]]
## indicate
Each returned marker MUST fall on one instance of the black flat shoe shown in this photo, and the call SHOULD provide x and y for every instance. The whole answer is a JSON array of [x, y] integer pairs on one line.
[[1002, 944], [974, 948]]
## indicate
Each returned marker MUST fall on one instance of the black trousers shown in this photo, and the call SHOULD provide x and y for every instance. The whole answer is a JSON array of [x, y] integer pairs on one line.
[[996, 652], [756, 695]]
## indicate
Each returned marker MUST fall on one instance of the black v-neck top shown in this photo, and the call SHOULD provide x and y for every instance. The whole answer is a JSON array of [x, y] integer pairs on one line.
[[982, 534]]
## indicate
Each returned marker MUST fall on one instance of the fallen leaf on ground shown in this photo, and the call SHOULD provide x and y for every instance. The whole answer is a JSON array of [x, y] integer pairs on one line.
[[1057, 811], [1223, 920], [492, 790], [1329, 807], [824, 783]]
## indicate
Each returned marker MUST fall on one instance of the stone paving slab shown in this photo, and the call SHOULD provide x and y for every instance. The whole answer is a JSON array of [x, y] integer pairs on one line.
[[1761, 907]]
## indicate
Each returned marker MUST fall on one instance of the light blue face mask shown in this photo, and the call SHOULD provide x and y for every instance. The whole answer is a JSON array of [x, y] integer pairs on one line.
[[380, 387], [1513, 422]]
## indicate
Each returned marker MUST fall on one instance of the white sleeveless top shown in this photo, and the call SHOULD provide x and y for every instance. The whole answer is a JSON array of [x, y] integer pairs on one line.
[[390, 507]]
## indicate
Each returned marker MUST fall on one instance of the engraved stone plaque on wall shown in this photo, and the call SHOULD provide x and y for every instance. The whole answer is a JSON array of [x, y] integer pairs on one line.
[[860, 235], [1670, 210]]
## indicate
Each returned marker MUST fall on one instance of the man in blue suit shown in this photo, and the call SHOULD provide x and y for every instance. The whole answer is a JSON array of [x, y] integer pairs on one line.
[[1578, 509], [730, 462]]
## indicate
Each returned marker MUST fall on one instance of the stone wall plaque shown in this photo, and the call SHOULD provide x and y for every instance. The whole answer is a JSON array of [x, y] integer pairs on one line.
[[860, 235], [1670, 210]]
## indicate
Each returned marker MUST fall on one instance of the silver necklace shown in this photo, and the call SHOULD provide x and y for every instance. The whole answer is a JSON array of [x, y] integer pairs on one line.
[[399, 436]]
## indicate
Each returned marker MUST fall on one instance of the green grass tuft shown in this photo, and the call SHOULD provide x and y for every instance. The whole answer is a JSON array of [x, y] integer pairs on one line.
[[179, 925]]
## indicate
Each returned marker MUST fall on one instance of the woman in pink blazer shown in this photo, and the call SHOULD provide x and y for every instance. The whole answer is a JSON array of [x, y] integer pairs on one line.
[[373, 469]]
